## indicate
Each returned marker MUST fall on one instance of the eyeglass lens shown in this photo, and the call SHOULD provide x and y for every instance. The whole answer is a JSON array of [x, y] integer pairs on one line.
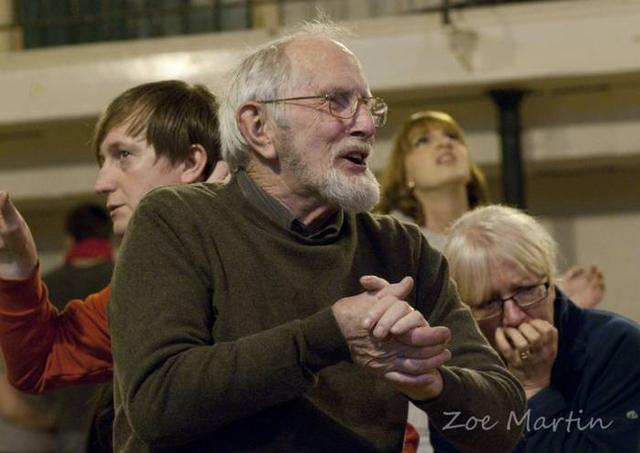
[[346, 105]]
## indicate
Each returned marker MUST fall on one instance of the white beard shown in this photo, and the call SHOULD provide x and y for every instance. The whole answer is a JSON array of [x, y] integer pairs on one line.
[[357, 193], [352, 193]]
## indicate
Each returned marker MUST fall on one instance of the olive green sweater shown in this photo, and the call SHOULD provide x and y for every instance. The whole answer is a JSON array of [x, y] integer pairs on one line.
[[224, 340]]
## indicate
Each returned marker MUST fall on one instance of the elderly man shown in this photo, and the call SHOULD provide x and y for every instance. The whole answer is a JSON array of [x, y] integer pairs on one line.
[[238, 318]]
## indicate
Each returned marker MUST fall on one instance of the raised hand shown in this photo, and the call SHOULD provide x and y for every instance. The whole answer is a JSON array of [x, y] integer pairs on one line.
[[530, 351], [18, 256], [584, 286]]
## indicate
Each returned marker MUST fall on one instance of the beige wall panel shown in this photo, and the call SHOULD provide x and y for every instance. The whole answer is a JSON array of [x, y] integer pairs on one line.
[[613, 242]]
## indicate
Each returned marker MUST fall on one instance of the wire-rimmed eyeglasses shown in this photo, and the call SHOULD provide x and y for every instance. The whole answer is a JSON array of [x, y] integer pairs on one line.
[[345, 105], [523, 297]]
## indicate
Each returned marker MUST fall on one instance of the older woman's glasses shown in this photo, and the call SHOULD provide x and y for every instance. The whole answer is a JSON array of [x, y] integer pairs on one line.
[[523, 297], [345, 105]]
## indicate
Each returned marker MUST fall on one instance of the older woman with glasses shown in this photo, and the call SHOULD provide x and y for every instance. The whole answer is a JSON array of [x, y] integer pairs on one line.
[[579, 367]]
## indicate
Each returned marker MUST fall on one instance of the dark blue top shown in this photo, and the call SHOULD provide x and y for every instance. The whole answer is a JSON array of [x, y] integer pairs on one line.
[[593, 402]]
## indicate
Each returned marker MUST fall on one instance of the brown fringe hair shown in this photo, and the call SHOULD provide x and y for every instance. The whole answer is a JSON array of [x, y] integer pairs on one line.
[[395, 193]]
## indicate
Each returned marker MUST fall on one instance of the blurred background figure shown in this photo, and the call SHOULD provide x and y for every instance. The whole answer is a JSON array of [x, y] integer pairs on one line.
[[430, 180], [88, 263], [579, 367], [26, 422], [87, 268]]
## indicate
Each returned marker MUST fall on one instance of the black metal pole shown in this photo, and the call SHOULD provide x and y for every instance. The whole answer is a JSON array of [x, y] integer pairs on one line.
[[513, 178], [446, 18]]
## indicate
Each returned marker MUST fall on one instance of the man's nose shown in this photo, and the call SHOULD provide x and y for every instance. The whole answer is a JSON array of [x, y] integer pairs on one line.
[[104, 182], [512, 314], [363, 123]]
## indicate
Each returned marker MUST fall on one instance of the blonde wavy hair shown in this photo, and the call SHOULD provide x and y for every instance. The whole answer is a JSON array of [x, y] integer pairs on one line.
[[395, 193], [498, 232]]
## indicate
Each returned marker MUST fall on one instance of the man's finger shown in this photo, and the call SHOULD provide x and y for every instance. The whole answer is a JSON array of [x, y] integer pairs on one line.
[[406, 323], [426, 336], [422, 352], [10, 218], [402, 289], [18, 256], [4, 210], [421, 366], [385, 313], [406, 379], [373, 283], [398, 290], [376, 311]]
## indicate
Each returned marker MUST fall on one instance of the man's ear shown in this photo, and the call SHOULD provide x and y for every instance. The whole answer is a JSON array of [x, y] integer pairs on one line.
[[194, 165], [256, 130]]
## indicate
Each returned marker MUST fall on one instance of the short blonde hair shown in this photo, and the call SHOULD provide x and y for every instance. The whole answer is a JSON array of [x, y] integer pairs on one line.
[[497, 232]]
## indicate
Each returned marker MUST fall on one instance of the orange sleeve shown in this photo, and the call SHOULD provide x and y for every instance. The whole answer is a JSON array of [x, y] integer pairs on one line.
[[411, 439], [45, 349]]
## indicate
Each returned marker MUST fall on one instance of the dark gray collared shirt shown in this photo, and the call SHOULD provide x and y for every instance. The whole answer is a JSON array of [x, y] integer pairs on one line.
[[323, 231]]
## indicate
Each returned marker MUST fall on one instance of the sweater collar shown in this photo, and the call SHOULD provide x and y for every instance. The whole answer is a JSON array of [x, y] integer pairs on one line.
[[324, 231], [567, 319]]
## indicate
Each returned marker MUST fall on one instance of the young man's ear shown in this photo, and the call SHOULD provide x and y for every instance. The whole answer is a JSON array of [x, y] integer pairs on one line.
[[256, 130], [194, 165]]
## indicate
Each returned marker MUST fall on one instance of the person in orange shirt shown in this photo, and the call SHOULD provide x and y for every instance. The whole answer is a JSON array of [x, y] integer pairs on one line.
[[151, 135]]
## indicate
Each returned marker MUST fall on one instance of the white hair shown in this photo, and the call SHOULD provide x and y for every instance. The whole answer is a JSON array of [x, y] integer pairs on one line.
[[497, 232], [264, 74]]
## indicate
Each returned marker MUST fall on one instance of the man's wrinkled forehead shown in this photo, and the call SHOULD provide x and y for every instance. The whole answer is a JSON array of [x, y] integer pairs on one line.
[[317, 44], [310, 56]]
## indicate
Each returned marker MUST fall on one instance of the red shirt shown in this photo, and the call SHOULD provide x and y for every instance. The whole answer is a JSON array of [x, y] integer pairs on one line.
[[45, 349]]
